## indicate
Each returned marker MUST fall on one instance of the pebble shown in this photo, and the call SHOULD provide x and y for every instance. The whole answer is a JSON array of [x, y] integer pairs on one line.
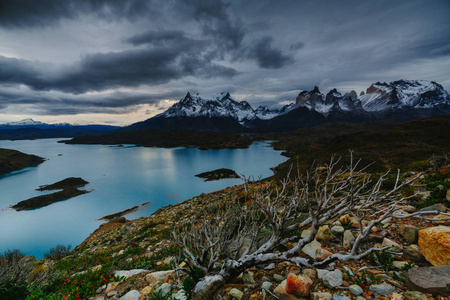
[[270, 267], [248, 278], [267, 285], [265, 278], [355, 289], [235, 293], [340, 297], [383, 289], [278, 278]]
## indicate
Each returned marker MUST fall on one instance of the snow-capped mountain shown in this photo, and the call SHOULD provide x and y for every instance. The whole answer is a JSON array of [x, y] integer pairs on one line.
[[380, 98], [402, 94], [221, 106], [24, 122], [399, 101]]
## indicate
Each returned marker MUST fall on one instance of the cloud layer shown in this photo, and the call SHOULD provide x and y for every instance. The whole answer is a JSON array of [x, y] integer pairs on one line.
[[97, 56]]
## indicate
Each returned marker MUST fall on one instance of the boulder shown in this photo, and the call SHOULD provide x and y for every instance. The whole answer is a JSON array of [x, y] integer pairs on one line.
[[434, 244], [433, 280], [298, 286], [410, 233], [333, 279]]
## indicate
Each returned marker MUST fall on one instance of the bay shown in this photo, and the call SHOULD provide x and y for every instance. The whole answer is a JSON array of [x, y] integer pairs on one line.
[[119, 177]]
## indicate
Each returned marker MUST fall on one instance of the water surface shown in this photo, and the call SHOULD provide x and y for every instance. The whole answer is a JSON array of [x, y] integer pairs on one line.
[[120, 177]]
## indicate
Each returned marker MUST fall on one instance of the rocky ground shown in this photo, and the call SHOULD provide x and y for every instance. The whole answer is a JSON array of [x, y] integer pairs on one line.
[[136, 259]]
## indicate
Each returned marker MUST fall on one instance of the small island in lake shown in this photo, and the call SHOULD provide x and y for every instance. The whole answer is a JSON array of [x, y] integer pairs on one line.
[[13, 160], [218, 174], [69, 188]]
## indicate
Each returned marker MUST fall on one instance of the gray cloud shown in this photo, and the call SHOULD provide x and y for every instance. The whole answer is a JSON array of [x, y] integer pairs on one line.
[[267, 56], [211, 46], [31, 13]]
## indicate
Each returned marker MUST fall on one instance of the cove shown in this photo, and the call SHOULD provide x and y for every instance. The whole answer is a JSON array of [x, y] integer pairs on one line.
[[119, 177]]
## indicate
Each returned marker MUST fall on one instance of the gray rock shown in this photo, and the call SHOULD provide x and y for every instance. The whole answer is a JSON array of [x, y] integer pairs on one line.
[[340, 297], [413, 253], [433, 280], [349, 239], [438, 206], [382, 289], [131, 295], [266, 285], [270, 267], [333, 279], [410, 233], [321, 273], [278, 278], [129, 273], [165, 288], [265, 278], [355, 289], [360, 298], [248, 278], [235, 293], [337, 230]]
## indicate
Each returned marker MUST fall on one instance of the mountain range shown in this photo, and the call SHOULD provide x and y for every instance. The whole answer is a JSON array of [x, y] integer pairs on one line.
[[399, 100]]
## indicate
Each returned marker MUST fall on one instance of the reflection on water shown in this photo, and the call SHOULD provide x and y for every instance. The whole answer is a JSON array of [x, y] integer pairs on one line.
[[121, 177]]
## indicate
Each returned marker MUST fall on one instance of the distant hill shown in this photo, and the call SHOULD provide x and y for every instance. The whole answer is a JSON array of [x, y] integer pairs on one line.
[[30, 129]]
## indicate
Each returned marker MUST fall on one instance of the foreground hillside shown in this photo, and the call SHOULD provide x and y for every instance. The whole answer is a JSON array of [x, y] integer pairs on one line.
[[365, 242]]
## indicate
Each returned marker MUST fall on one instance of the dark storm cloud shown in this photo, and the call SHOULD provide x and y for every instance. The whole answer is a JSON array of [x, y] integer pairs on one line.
[[32, 13], [169, 36], [297, 46], [101, 71], [267, 56]]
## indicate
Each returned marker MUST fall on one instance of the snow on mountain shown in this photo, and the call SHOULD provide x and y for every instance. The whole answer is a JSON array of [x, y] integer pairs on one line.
[[24, 122], [221, 105], [404, 94], [265, 113]]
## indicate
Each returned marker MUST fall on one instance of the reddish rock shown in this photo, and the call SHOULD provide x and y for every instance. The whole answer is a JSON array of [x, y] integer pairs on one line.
[[434, 244], [366, 296], [298, 285], [434, 280]]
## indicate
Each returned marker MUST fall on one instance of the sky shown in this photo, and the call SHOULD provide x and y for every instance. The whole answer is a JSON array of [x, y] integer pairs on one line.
[[119, 62]]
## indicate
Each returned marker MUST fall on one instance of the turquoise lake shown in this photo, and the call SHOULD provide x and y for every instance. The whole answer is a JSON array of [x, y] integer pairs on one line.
[[119, 177]]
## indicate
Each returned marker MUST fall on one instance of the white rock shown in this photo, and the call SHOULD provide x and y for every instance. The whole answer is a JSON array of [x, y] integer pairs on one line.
[[129, 273], [131, 295], [165, 288], [235, 293], [333, 279], [311, 248]]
